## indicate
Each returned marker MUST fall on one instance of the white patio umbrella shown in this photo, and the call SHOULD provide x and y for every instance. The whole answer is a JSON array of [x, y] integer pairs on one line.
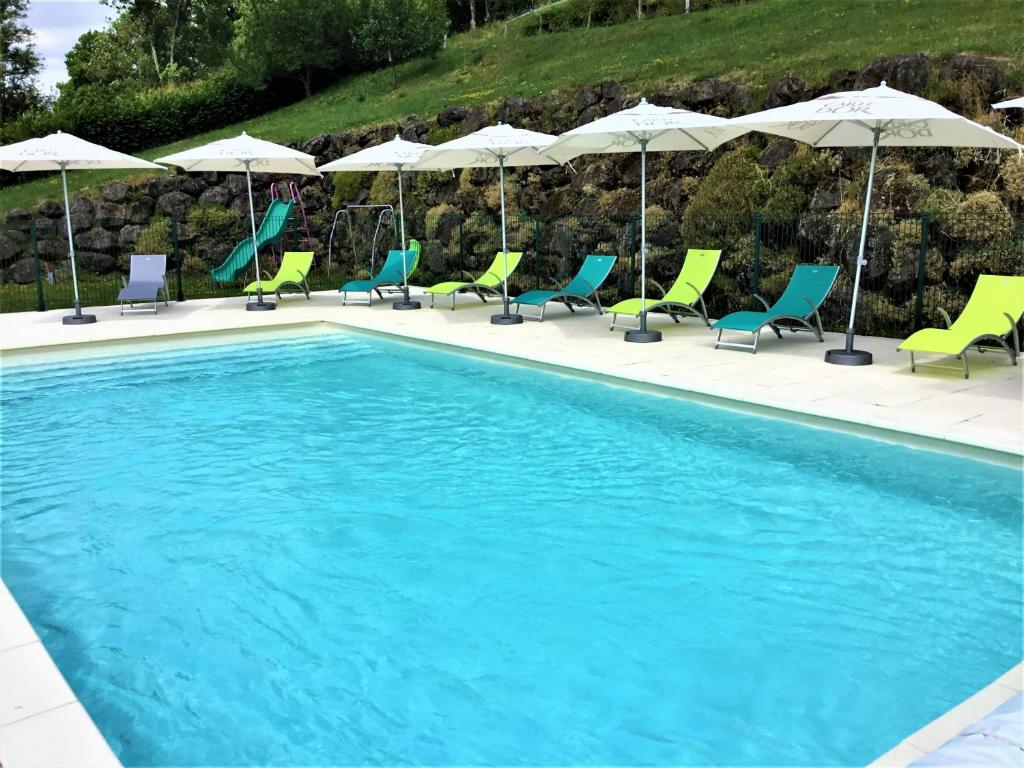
[[246, 153], [496, 146], [1017, 103], [874, 117], [644, 128], [63, 152], [395, 155]]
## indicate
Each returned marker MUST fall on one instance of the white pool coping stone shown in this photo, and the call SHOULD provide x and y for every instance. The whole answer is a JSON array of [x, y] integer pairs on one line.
[[949, 725], [936, 408], [42, 723]]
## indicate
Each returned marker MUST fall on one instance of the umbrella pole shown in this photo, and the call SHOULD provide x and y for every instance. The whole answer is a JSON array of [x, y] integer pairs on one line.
[[506, 317], [78, 318], [404, 303], [258, 305], [848, 355], [641, 335]]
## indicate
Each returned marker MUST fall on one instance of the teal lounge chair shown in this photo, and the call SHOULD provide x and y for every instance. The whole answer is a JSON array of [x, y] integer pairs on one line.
[[390, 274], [582, 289], [808, 288]]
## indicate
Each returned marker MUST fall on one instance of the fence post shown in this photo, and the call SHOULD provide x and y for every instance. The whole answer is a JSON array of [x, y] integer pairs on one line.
[[922, 258], [177, 256], [40, 301], [462, 244], [536, 249], [755, 275], [632, 253]]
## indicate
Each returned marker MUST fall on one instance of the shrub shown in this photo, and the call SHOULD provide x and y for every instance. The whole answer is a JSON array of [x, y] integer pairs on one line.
[[384, 190], [129, 120], [214, 223], [156, 237], [1012, 174], [345, 187], [981, 218]]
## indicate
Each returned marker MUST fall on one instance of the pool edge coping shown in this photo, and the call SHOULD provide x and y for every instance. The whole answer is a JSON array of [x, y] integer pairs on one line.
[[932, 736], [83, 737]]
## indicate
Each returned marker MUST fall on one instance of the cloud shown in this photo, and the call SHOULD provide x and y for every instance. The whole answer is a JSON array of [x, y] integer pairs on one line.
[[56, 26]]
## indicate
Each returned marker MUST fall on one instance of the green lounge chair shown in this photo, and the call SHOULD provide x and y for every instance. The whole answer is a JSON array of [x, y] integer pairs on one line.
[[391, 274], [991, 314], [686, 296], [489, 281], [582, 289], [808, 288], [294, 270]]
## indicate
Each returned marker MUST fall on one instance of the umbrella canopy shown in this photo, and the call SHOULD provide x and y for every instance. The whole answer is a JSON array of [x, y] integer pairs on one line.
[[62, 152], [658, 129], [644, 128], [875, 117], [1017, 103], [395, 155], [242, 154], [246, 153], [854, 118], [495, 146]]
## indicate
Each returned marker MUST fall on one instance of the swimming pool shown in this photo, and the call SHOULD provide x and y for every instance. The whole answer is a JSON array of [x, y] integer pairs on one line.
[[340, 550]]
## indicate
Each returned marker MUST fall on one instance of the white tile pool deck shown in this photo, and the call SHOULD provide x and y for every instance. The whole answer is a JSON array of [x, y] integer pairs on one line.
[[935, 408]]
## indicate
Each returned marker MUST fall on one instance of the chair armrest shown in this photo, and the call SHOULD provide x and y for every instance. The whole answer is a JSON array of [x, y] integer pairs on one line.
[[760, 298], [809, 304], [694, 289], [124, 281], [468, 275], [945, 316], [660, 287]]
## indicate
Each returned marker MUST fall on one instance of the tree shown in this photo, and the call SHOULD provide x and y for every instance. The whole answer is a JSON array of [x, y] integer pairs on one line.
[[180, 38], [19, 63], [282, 38], [388, 32], [107, 57]]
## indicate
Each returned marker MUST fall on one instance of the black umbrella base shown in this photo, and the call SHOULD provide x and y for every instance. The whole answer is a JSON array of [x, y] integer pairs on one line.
[[406, 304], [79, 319], [260, 306], [508, 318], [848, 357], [642, 337]]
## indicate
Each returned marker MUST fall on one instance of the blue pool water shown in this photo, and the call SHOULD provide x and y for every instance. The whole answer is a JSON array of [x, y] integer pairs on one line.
[[340, 551]]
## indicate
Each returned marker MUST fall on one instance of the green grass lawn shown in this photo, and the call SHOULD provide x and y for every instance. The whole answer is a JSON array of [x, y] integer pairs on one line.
[[754, 43]]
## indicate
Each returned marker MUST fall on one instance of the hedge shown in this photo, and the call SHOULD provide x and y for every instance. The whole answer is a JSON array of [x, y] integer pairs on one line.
[[129, 121]]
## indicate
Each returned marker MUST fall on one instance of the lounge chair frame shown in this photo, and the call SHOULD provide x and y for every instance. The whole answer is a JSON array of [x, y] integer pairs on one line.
[[671, 308], [300, 287], [1013, 351], [567, 299], [472, 287], [798, 324], [390, 287]]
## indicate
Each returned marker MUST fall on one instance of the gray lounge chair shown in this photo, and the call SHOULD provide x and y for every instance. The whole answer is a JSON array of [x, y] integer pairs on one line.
[[147, 279]]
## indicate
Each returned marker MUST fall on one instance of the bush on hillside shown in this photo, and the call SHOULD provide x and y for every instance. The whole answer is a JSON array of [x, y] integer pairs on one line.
[[128, 121]]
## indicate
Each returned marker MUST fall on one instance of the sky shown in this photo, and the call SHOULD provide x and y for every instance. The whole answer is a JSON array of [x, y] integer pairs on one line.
[[57, 25]]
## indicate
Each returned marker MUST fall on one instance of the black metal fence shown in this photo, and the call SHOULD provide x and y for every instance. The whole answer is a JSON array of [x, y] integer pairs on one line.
[[915, 264]]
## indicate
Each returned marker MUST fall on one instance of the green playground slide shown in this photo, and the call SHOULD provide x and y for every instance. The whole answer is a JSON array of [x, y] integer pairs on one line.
[[272, 229]]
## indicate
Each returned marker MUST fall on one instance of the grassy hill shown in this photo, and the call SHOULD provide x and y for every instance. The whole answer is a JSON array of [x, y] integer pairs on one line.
[[754, 43]]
